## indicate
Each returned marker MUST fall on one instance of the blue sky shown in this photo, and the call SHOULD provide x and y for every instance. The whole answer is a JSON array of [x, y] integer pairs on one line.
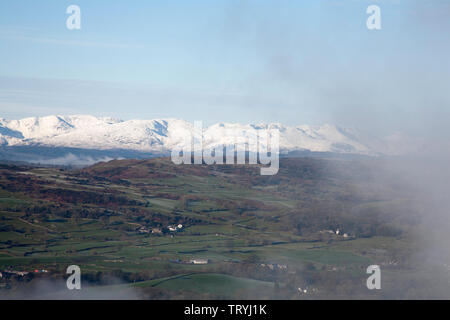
[[293, 62]]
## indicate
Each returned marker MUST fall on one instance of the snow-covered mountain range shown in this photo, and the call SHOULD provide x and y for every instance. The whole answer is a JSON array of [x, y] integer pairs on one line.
[[161, 135]]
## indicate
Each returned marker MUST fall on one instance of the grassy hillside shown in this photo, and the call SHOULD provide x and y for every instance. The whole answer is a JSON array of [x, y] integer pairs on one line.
[[263, 237]]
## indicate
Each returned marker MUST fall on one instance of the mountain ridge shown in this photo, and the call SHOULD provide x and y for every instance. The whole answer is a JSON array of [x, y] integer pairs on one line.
[[162, 135]]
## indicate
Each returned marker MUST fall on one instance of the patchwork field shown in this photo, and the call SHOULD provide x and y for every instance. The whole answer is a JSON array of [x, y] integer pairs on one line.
[[144, 225]]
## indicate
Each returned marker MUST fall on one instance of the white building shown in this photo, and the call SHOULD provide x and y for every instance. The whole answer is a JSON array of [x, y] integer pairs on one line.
[[199, 261]]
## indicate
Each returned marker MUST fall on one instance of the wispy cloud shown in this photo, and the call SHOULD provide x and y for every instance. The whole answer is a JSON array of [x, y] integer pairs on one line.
[[28, 34], [21, 97], [73, 160]]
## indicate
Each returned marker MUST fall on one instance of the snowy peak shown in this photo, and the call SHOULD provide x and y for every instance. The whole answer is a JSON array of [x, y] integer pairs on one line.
[[161, 135]]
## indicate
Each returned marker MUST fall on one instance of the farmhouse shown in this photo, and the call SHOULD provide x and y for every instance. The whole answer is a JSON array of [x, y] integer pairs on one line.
[[18, 273], [144, 230], [175, 228], [274, 266], [40, 271], [199, 261], [327, 231]]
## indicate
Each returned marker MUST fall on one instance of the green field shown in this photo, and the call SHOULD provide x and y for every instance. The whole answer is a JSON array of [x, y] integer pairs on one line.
[[262, 237]]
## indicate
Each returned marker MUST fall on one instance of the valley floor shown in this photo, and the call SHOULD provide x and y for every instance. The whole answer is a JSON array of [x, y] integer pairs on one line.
[[147, 229]]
